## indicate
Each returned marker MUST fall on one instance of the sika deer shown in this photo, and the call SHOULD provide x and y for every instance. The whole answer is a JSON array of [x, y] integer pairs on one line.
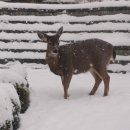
[[90, 55]]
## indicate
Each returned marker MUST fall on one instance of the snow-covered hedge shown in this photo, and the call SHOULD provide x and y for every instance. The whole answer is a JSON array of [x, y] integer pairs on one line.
[[9, 107], [23, 86], [16, 75]]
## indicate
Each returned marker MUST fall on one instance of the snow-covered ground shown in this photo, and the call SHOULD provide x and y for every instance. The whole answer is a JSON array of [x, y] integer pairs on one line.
[[49, 111]]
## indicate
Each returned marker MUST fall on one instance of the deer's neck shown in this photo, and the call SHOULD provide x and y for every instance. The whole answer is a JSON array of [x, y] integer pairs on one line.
[[53, 62]]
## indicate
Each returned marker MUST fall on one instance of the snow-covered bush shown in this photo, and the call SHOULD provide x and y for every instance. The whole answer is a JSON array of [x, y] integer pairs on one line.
[[17, 76], [9, 107]]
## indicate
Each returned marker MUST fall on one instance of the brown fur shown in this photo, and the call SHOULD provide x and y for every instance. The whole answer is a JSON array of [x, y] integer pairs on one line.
[[90, 55]]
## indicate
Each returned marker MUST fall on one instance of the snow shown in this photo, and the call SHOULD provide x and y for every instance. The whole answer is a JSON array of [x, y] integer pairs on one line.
[[18, 68], [22, 55], [5, 102], [49, 111], [23, 45], [7, 76], [119, 67], [114, 38], [15, 75], [67, 27], [123, 58], [7, 94], [25, 65], [66, 6], [64, 18]]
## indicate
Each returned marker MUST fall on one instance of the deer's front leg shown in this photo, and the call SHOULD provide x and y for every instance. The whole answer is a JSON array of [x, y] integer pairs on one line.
[[66, 82]]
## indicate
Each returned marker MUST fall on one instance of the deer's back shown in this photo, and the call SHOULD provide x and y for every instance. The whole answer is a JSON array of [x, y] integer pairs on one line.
[[83, 55]]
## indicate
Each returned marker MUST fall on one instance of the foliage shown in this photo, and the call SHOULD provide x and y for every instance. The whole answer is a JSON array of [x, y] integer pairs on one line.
[[23, 93]]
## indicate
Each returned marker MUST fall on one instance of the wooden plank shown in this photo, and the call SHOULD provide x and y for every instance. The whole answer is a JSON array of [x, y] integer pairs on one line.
[[74, 12], [71, 22], [78, 31], [23, 50], [19, 40], [38, 61]]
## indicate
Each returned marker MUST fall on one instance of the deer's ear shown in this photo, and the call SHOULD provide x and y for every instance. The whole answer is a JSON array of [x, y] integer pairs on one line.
[[42, 36], [60, 31]]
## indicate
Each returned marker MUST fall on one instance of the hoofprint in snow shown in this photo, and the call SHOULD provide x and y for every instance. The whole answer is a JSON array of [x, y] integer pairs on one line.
[[49, 111]]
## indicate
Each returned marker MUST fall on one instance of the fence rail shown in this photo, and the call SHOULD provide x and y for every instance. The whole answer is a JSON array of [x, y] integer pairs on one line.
[[73, 12]]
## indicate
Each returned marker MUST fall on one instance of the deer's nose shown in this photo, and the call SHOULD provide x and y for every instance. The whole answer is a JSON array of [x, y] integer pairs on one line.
[[55, 50]]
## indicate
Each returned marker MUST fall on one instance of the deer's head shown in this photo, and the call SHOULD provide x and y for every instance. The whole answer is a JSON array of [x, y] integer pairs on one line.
[[52, 41]]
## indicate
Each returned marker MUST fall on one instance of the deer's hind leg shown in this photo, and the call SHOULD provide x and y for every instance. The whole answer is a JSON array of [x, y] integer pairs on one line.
[[102, 73], [106, 80], [97, 82]]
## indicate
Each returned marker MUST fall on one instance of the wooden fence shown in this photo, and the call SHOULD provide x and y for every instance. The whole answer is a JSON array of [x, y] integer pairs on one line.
[[18, 39]]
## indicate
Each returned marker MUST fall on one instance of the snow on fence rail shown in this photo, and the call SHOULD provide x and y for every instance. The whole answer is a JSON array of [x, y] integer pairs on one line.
[[109, 21]]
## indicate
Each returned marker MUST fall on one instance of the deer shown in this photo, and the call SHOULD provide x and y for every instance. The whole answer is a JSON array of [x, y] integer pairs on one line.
[[91, 55]]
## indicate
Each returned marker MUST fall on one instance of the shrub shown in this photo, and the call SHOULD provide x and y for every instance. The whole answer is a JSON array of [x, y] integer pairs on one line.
[[9, 107], [17, 76]]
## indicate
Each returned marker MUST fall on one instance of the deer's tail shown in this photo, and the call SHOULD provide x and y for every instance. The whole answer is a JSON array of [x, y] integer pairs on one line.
[[113, 56]]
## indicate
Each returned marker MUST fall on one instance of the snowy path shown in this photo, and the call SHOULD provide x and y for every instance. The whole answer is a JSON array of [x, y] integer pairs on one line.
[[49, 111]]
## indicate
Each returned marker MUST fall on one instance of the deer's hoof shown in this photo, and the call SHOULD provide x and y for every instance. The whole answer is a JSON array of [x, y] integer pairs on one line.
[[91, 93], [66, 96], [105, 95]]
